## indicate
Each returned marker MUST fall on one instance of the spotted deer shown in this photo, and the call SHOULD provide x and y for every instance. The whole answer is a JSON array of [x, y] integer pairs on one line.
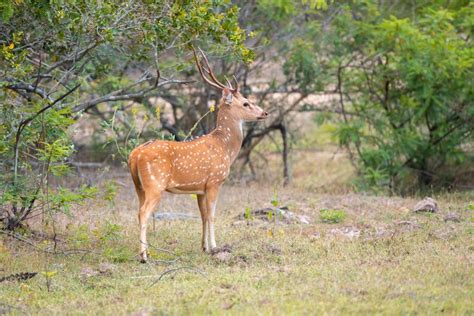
[[196, 167]]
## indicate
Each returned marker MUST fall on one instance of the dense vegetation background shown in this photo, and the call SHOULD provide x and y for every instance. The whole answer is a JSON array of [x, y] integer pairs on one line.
[[399, 75]]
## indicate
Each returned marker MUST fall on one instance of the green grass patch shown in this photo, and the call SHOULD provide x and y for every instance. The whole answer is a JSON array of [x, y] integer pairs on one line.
[[332, 216]]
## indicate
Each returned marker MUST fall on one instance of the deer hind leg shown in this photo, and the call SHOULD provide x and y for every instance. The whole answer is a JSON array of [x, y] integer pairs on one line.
[[211, 199], [203, 209], [149, 204]]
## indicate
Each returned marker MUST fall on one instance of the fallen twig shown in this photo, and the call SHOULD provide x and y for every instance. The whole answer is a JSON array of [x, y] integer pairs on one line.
[[19, 276], [158, 261], [66, 252], [162, 275]]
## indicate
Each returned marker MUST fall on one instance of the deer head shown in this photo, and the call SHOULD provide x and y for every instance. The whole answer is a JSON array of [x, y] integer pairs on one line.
[[232, 101]]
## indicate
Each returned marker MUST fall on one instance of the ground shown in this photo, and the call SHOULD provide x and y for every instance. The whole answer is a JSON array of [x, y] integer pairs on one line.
[[381, 258]]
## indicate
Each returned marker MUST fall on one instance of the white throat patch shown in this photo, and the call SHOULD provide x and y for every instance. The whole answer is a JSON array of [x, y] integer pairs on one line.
[[228, 99]]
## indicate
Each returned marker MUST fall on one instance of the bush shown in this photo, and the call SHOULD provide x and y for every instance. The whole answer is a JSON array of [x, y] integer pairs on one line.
[[61, 59], [404, 89], [332, 216], [412, 89]]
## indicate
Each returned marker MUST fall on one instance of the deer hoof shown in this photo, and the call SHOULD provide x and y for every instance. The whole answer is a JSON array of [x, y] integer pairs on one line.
[[144, 258]]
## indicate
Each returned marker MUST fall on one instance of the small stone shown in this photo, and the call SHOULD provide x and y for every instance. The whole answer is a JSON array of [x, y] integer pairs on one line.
[[303, 219], [87, 272], [224, 248], [452, 217], [408, 225], [239, 223], [223, 256], [348, 232], [275, 214], [404, 209], [143, 312], [274, 249], [228, 305], [283, 269], [426, 205], [106, 268]]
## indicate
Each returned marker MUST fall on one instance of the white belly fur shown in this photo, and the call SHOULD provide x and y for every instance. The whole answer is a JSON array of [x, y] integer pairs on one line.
[[178, 191]]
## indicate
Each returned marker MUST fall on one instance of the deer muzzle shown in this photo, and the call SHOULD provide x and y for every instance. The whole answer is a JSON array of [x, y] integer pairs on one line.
[[263, 116]]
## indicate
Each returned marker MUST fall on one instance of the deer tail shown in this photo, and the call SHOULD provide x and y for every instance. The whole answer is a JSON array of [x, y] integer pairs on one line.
[[133, 166]]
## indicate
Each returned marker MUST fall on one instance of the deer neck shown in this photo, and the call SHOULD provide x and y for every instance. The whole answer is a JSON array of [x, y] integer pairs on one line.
[[229, 132]]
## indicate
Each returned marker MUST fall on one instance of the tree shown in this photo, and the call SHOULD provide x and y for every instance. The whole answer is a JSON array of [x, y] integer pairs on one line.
[[405, 90], [60, 59]]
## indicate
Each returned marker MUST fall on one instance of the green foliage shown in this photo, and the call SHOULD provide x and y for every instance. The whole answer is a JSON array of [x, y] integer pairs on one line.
[[60, 58], [108, 232], [80, 237], [303, 67], [248, 213], [332, 216], [275, 201], [318, 4], [110, 237], [107, 238], [110, 191], [119, 253], [405, 89]]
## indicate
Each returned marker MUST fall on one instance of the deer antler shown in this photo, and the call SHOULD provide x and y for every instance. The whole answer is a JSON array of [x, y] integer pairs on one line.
[[236, 83], [229, 84], [213, 80]]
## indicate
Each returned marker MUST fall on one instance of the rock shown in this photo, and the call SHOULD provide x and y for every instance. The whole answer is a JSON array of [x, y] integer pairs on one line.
[[426, 205], [273, 249], [283, 269], [175, 216], [224, 248], [303, 219], [106, 268], [408, 225], [404, 209], [88, 272], [222, 254], [228, 305], [277, 214], [143, 312], [239, 223], [6, 309], [452, 217], [348, 232]]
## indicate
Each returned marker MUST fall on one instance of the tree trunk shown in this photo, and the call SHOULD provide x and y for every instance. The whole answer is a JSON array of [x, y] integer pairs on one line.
[[286, 167]]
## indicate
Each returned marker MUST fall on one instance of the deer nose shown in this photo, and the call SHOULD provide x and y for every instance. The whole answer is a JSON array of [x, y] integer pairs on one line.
[[264, 113]]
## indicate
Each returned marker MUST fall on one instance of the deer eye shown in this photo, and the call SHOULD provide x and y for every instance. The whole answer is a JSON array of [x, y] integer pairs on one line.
[[246, 104]]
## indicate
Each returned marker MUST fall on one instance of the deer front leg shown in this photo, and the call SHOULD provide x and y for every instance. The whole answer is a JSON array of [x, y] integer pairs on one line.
[[201, 198], [211, 199]]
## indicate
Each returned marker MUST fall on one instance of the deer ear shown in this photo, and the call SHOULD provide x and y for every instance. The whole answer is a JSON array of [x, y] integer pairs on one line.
[[227, 94]]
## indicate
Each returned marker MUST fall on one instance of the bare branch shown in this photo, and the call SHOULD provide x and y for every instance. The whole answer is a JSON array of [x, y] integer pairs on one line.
[[120, 96]]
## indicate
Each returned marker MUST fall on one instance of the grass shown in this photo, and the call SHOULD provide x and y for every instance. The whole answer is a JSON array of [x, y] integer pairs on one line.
[[381, 259], [332, 216]]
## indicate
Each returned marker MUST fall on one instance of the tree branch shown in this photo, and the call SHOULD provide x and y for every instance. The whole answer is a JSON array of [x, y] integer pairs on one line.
[[120, 96]]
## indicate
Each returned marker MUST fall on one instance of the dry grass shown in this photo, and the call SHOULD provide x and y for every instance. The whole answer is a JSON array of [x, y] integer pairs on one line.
[[382, 259]]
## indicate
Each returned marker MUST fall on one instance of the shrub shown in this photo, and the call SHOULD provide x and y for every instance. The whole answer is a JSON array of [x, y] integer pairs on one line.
[[404, 89], [332, 216], [61, 59]]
